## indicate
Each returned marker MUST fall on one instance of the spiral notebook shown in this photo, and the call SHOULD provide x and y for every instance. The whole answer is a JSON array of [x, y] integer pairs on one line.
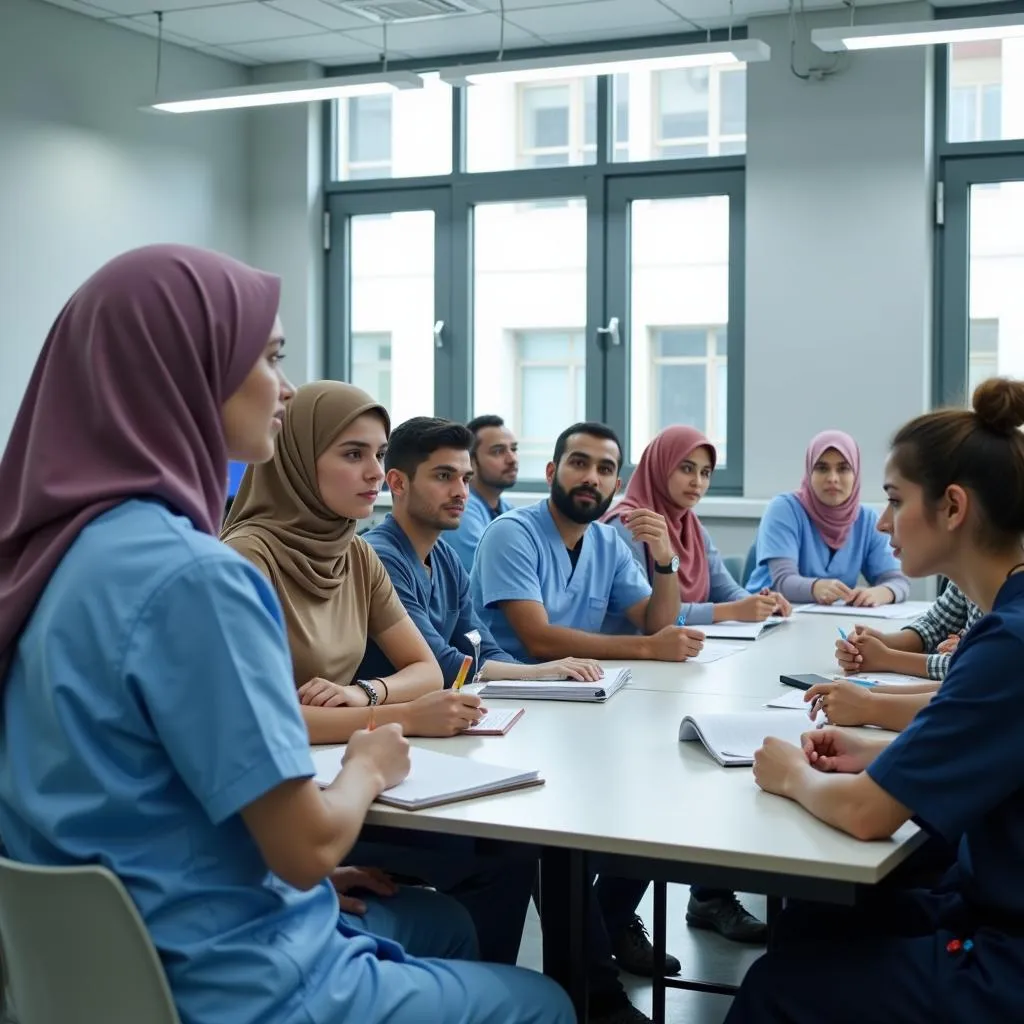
[[434, 778], [615, 678]]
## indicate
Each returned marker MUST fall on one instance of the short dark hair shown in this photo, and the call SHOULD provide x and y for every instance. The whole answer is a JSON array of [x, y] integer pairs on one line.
[[414, 441], [592, 430], [479, 423]]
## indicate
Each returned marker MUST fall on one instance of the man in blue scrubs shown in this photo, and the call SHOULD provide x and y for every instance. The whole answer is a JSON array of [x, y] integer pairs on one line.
[[495, 461]]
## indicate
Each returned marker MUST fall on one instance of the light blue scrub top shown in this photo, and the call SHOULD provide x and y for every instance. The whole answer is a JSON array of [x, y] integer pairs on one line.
[[151, 699], [786, 531], [522, 557], [475, 519]]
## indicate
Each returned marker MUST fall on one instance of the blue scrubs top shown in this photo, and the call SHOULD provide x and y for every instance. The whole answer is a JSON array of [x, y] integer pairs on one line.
[[476, 518], [149, 701], [438, 602], [786, 531], [958, 766], [522, 558]]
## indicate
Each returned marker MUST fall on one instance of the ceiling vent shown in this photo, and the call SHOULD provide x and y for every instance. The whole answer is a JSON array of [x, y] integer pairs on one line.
[[394, 12]]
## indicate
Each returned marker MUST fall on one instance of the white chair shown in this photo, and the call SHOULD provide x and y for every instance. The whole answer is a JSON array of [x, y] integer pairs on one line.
[[75, 950]]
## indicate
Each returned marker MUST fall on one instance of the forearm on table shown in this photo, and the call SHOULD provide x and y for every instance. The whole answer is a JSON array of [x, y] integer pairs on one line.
[[906, 663], [409, 683], [905, 640], [507, 670], [925, 686], [842, 801], [336, 725], [787, 581], [896, 711], [552, 642]]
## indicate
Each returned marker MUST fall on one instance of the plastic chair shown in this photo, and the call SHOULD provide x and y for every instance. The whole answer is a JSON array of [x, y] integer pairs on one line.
[[749, 565], [76, 950], [734, 563]]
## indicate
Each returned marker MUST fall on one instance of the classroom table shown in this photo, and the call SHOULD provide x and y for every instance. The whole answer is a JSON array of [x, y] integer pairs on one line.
[[621, 788]]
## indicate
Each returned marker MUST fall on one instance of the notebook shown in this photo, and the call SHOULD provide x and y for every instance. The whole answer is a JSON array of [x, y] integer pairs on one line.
[[435, 778], [906, 610], [881, 678], [496, 722], [732, 737], [615, 678], [740, 630]]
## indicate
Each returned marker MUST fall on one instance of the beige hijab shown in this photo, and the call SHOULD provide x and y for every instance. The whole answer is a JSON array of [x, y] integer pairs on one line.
[[332, 587]]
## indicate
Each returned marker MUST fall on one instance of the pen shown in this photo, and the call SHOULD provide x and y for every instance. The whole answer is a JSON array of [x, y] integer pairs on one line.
[[463, 672], [842, 634]]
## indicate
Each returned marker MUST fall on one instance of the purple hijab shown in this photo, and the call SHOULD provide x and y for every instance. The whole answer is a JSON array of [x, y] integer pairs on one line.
[[125, 400], [834, 524]]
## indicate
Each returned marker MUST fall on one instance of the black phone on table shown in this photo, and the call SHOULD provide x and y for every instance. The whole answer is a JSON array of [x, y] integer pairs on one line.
[[805, 682]]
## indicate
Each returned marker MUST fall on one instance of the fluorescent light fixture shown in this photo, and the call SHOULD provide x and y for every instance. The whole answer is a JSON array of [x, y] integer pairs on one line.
[[310, 90], [611, 62], [918, 33]]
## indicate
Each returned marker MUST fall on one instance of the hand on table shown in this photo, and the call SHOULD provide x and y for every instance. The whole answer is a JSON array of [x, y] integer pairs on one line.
[[830, 591], [383, 751], [776, 763], [863, 650], [322, 693], [872, 597], [442, 713], [755, 608], [675, 643], [581, 670], [842, 703], [782, 606], [950, 644], [831, 750]]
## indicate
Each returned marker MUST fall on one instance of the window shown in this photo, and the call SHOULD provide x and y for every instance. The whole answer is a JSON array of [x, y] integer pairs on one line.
[[371, 365], [985, 101], [369, 136], [689, 380], [550, 393]]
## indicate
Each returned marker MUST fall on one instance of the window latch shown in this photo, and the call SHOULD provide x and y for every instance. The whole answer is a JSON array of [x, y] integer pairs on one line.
[[611, 332], [439, 334]]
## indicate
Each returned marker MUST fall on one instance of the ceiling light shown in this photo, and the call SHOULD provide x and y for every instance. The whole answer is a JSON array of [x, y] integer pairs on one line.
[[612, 62], [311, 90], [918, 33]]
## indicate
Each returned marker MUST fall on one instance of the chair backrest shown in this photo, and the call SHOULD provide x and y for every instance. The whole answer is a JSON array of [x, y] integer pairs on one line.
[[750, 565], [734, 563], [76, 951]]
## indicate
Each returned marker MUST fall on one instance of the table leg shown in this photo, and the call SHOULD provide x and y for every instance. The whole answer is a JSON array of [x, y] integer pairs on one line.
[[564, 892], [660, 928]]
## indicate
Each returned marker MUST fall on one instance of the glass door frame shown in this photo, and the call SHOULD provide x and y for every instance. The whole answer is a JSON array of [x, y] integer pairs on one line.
[[340, 208], [620, 193], [953, 266]]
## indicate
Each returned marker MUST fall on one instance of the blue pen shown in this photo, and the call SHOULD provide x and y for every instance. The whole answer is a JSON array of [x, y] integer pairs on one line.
[[842, 634]]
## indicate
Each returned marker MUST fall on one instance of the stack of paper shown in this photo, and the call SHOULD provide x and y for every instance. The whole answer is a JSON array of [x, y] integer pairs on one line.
[[906, 610], [740, 630], [615, 678], [496, 722], [732, 737], [434, 778]]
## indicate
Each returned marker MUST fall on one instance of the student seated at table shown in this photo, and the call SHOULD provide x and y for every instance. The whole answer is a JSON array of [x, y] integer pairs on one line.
[[672, 475], [295, 519], [429, 476], [815, 544], [955, 483], [149, 718], [495, 460]]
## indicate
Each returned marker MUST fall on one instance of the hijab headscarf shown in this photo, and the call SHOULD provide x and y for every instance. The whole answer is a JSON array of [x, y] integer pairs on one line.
[[833, 523], [648, 488], [124, 401]]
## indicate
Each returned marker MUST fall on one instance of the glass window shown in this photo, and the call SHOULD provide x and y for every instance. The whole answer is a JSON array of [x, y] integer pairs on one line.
[[533, 124], [680, 112], [392, 319], [985, 101], [679, 309], [530, 310], [403, 134]]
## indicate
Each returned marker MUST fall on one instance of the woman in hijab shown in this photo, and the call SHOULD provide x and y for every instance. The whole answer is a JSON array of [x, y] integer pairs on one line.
[[149, 719], [815, 544]]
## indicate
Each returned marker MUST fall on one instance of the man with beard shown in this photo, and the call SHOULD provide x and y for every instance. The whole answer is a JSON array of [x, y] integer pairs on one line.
[[429, 476], [494, 454]]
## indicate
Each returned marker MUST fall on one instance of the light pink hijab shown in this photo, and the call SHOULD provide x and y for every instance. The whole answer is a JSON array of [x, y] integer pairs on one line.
[[834, 524], [125, 400], [648, 488]]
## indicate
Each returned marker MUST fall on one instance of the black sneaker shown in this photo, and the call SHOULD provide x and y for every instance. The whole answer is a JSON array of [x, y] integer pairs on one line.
[[634, 952], [618, 1010], [727, 916]]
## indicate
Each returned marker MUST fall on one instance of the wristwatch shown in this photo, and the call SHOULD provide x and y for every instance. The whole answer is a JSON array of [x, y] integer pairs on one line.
[[670, 569], [370, 691]]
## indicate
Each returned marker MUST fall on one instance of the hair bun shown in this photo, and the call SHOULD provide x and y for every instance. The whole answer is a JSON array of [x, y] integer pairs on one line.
[[999, 404]]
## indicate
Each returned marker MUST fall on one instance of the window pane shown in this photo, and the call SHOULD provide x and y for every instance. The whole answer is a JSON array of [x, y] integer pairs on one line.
[[986, 91], [680, 113], [679, 297], [392, 268], [530, 308], [996, 338], [511, 125], [403, 134]]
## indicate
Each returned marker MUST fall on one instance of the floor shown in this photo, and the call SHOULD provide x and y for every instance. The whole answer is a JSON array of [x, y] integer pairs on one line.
[[704, 955]]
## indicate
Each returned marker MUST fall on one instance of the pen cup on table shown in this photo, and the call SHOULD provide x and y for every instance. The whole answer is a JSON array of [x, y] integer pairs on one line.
[[473, 636]]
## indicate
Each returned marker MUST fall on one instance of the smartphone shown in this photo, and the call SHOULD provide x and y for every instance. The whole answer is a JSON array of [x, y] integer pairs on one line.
[[805, 682]]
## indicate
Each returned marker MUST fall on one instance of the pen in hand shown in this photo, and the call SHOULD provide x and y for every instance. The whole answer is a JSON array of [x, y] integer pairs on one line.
[[463, 672]]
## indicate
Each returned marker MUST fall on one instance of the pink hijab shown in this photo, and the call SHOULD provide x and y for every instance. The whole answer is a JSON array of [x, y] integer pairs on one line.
[[125, 400], [834, 524], [648, 488]]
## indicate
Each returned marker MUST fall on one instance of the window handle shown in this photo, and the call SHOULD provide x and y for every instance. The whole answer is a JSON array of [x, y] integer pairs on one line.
[[439, 334], [611, 332]]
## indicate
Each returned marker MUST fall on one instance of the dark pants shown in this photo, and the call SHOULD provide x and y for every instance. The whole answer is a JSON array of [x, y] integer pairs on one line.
[[704, 892]]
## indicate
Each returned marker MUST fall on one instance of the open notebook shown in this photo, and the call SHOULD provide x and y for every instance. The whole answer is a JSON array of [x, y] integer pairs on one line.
[[732, 737], [435, 778], [740, 630], [615, 678]]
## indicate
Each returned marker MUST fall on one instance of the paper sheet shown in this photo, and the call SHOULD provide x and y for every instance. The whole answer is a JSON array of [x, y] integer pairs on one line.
[[715, 650]]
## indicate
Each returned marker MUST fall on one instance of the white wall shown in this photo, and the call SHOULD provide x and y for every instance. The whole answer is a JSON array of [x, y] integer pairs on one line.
[[85, 175], [839, 252]]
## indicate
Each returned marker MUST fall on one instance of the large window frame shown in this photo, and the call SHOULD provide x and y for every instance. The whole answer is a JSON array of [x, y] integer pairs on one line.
[[453, 198]]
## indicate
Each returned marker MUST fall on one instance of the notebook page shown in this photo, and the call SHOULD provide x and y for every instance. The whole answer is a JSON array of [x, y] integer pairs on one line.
[[715, 650], [739, 734], [496, 720]]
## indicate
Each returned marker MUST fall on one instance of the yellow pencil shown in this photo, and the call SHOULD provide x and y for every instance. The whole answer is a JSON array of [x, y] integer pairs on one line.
[[463, 672], [371, 724]]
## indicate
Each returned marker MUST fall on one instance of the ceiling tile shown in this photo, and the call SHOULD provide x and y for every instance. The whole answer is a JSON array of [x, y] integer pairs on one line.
[[147, 25], [320, 12], [633, 17], [127, 8], [462, 34], [236, 23], [81, 8], [522, 5], [223, 53], [327, 48]]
